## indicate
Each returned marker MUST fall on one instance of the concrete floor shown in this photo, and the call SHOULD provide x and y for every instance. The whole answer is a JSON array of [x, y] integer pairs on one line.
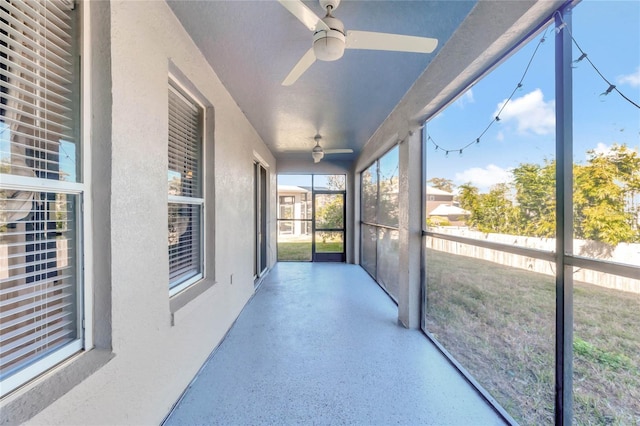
[[319, 344]]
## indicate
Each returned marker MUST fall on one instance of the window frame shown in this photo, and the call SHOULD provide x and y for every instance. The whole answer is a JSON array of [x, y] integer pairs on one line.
[[187, 95], [80, 189]]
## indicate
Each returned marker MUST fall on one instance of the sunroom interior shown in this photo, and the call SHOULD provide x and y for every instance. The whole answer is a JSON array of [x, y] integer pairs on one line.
[[176, 249]]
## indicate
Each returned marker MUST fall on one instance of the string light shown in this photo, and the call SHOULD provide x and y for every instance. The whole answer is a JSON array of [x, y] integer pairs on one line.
[[518, 86], [583, 56]]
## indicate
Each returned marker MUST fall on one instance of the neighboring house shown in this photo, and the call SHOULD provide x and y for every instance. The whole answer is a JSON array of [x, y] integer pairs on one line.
[[455, 215], [294, 202], [440, 203], [437, 197]]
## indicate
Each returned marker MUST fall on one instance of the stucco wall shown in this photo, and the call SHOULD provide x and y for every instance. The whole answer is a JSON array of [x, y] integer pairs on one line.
[[155, 360]]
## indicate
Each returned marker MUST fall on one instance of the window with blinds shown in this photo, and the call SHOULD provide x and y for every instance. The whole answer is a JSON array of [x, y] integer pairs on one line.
[[186, 202], [40, 189]]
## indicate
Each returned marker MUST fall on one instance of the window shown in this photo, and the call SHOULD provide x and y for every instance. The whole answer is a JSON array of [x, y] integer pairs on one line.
[[41, 190], [185, 186]]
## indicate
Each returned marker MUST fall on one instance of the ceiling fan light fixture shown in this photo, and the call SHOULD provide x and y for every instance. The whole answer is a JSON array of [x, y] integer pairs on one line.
[[317, 156], [328, 45]]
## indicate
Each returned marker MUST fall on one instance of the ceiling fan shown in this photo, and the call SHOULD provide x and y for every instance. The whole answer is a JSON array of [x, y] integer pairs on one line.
[[330, 39], [318, 153]]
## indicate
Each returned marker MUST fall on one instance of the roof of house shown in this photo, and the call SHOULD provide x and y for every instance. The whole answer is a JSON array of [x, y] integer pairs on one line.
[[435, 191], [449, 210], [293, 188]]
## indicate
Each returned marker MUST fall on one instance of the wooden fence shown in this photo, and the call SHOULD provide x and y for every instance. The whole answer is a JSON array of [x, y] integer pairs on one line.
[[622, 253]]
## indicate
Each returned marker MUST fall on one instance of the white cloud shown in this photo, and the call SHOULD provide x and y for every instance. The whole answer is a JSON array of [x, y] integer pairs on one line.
[[531, 113], [500, 136], [602, 148], [484, 178], [466, 98], [632, 79]]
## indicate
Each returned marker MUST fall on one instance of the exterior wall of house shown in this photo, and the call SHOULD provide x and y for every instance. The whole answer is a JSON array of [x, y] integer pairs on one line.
[[433, 201], [153, 347]]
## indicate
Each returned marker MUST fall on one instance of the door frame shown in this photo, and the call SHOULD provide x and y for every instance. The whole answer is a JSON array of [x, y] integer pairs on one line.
[[324, 256]]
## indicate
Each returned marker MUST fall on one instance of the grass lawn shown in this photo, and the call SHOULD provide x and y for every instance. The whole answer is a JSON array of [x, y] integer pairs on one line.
[[301, 251], [499, 322]]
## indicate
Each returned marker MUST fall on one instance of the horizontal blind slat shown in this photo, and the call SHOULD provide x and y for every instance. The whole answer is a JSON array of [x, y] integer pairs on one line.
[[43, 120], [22, 308], [48, 308], [35, 99], [36, 324], [29, 58], [41, 339], [18, 20], [53, 13], [40, 283]]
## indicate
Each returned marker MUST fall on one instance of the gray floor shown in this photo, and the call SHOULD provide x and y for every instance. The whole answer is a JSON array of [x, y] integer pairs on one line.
[[319, 344]]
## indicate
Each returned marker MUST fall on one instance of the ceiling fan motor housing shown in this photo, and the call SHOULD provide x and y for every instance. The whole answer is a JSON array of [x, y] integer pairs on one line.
[[330, 3], [328, 45]]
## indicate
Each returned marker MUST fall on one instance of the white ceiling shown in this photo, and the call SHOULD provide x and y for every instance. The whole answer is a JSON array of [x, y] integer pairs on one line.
[[252, 46]]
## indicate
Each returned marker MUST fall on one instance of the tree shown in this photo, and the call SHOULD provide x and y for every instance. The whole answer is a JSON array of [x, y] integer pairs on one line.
[[535, 196], [498, 213], [491, 212], [469, 199], [602, 190], [442, 183]]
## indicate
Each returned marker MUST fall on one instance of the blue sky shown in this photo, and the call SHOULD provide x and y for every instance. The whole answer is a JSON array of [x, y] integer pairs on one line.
[[609, 32]]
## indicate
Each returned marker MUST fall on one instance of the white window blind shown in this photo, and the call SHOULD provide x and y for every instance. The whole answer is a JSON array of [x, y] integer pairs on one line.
[[39, 284], [186, 203]]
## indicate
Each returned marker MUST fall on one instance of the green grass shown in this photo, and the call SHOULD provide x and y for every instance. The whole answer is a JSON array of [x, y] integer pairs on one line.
[[499, 322], [301, 251]]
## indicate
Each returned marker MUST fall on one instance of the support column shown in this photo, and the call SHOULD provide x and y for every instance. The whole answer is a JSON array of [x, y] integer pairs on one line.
[[564, 221], [410, 218]]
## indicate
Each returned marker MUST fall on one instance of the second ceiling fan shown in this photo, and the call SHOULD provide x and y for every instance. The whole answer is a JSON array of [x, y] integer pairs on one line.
[[330, 39], [318, 152]]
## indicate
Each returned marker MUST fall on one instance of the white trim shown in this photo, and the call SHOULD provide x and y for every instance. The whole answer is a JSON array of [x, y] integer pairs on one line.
[[183, 285], [29, 183], [178, 199], [27, 374], [85, 271]]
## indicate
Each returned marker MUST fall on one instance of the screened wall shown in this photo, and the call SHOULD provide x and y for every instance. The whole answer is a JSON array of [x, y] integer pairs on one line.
[[379, 232], [531, 272]]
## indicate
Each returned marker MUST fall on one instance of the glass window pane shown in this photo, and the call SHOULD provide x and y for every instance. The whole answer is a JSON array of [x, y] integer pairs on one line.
[[38, 257], [185, 245]]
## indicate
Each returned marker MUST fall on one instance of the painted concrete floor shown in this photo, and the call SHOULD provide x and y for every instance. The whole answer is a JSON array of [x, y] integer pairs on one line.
[[320, 344]]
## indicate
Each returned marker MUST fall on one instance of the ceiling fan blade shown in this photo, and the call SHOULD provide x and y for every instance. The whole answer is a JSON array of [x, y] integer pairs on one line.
[[394, 42], [338, 151], [304, 14], [303, 64]]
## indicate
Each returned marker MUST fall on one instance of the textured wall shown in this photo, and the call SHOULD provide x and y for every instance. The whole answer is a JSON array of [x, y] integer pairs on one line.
[[154, 361]]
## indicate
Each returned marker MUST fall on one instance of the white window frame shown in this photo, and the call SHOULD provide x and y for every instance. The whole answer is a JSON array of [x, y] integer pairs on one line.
[[175, 85], [80, 189]]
